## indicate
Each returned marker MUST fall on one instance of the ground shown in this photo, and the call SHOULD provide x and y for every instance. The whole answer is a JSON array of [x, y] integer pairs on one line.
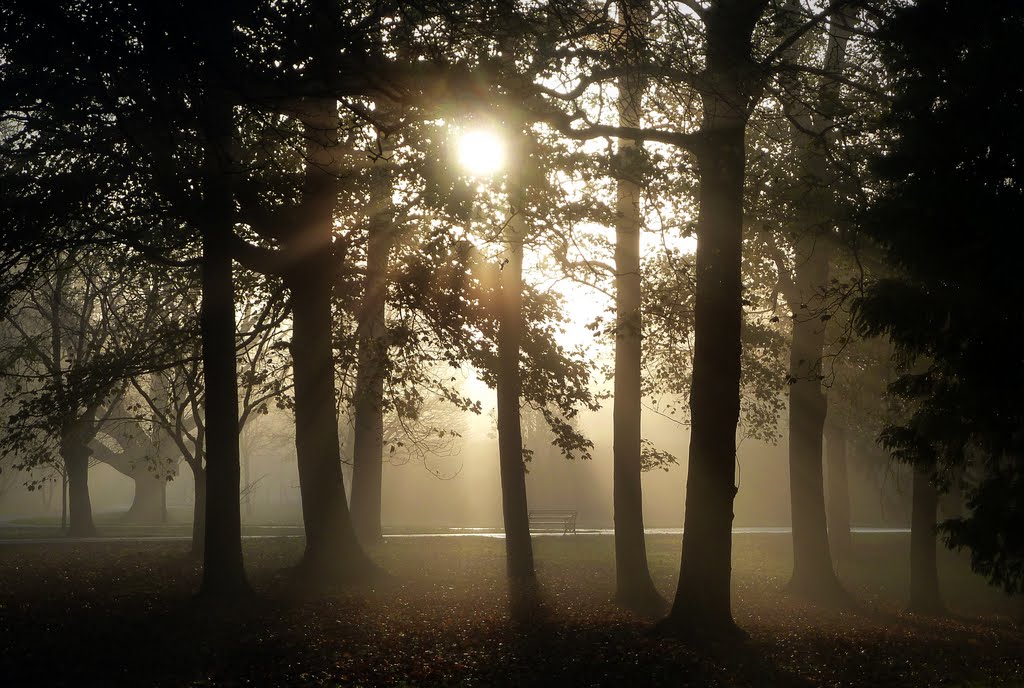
[[123, 614]]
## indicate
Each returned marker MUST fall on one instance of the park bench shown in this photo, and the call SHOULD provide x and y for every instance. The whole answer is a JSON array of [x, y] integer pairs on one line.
[[553, 519]]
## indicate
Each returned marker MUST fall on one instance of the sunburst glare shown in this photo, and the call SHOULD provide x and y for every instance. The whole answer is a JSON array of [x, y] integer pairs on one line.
[[481, 152]]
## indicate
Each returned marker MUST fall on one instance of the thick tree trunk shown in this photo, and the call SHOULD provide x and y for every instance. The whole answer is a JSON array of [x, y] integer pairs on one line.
[[838, 493], [813, 574], [368, 449], [199, 512], [924, 575], [76, 465], [518, 547], [223, 573], [703, 597], [634, 587], [148, 504], [702, 601], [332, 550]]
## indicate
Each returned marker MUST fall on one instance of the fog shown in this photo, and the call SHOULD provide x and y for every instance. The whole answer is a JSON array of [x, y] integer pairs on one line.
[[457, 485]]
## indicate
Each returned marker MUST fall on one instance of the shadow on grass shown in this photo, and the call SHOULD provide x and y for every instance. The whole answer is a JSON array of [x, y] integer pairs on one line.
[[179, 640], [553, 654]]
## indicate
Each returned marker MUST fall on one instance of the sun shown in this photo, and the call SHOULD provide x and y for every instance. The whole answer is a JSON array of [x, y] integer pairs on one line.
[[481, 152]]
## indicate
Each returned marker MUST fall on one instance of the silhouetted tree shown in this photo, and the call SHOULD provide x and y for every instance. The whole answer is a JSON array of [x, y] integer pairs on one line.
[[946, 218], [633, 579]]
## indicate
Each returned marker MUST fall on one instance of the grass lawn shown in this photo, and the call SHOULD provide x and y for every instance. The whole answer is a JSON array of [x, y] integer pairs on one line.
[[111, 613]]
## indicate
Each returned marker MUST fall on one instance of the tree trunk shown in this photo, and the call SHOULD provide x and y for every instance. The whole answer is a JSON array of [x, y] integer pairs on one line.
[[368, 441], [64, 499], [924, 575], [702, 601], [198, 512], [838, 493], [246, 485], [515, 511], [75, 454], [331, 545], [702, 596], [813, 574], [148, 505], [812, 129], [332, 549], [223, 572], [634, 587]]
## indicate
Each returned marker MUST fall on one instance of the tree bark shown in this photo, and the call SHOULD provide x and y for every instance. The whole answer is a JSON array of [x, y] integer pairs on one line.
[[702, 600], [515, 511], [332, 549], [703, 596], [813, 574], [223, 573], [76, 464], [634, 586], [368, 441], [924, 575], [838, 493]]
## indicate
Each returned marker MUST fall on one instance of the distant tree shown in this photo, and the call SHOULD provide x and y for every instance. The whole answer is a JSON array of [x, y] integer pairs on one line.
[[946, 218], [59, 331], [813, 226]]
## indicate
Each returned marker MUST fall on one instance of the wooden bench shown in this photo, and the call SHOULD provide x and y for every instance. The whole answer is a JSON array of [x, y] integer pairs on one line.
[[553, 519]]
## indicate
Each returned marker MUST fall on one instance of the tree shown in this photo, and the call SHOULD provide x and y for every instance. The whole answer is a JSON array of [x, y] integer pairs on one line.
[[944, 220], [813, 129], [60, 343], [136, 100], [368, 397], [142, 454], [719, 84], [633, 579]]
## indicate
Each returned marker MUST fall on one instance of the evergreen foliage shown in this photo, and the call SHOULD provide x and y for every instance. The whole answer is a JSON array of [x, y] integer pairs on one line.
[[948, 218]]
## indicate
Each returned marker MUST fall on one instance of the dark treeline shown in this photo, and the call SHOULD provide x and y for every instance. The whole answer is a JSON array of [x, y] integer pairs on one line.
[[215, 211]]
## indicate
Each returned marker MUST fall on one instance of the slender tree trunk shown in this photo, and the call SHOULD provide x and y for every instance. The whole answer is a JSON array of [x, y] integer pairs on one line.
[[64, 500], [246, 485], [223, 572], [634, 587], [368, 449], [813, 574], [332, 549], [76, 466], [924, 574], [811, 127], [838, 492], [518, 547]]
